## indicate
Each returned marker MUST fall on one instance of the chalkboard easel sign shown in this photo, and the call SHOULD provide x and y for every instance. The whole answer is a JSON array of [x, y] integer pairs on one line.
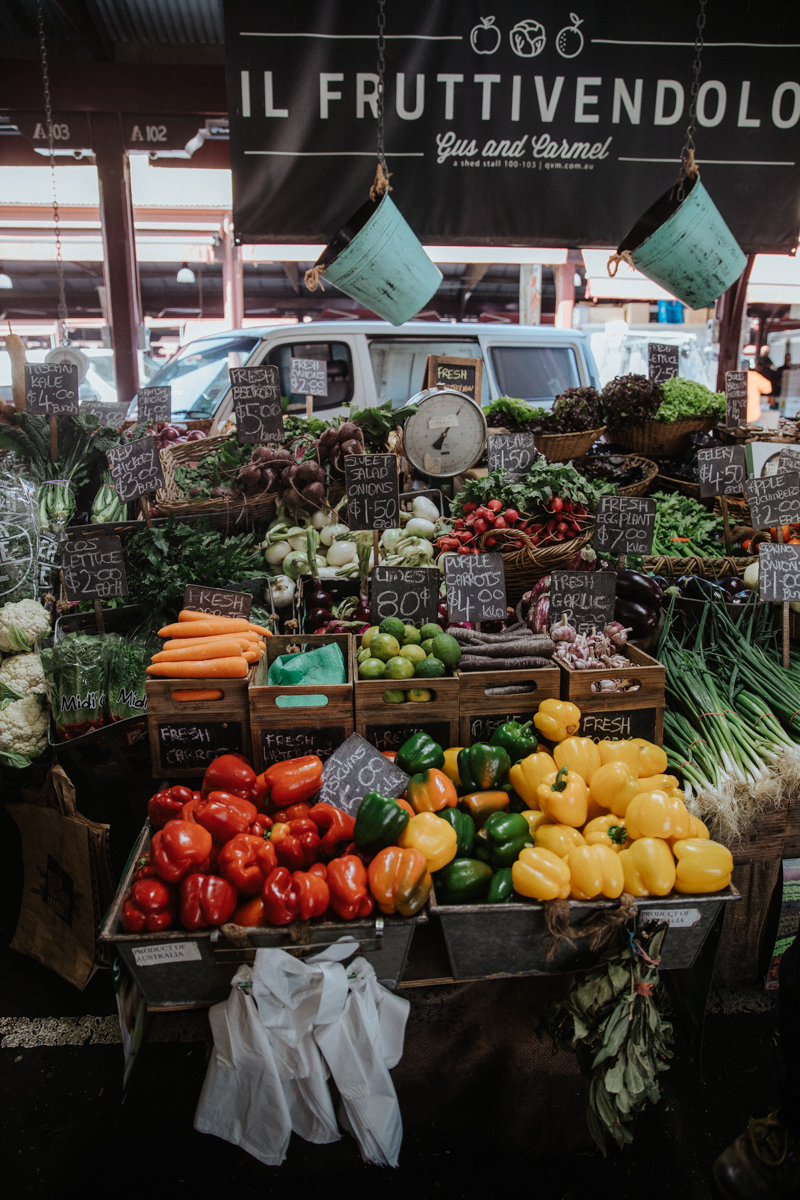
[[662, 361], [355, 769], [789, 459], [51, 389], [154, 405], [458, 374], [587, 598], [624, 525], [476, 587], [774, 499], [256, 396], [735, 398], [514, 453], [136, 469], [217, 602], [113, 413], [721, 471], [93, 568], [778, 572], [373, 498], [308, 376], [410, 593]]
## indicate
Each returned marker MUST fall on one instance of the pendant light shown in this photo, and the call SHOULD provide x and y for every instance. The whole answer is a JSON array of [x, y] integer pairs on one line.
[[185, 274]]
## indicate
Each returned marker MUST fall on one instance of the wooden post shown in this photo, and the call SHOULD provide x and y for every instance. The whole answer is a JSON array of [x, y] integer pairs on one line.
[[376, 537], [785, 615], [98, 616], [53, 423], [726, 522], [144, 504], [309, 407]]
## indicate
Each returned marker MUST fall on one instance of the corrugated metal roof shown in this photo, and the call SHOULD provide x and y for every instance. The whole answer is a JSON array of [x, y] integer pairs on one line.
[[182, 22]]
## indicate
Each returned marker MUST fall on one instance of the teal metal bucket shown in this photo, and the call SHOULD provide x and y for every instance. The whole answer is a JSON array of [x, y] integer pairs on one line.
[[686, 246], [377, 260]]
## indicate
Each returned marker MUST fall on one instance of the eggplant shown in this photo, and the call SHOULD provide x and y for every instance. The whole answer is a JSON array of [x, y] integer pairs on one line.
[[641, 619], [662, 581], [732, 585], [695, 588], [632, 585]]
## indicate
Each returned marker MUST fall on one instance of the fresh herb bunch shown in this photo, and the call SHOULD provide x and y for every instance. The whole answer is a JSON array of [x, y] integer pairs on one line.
[[575, 411], [685, 398], [82, 446], [630, 398], [377, 423], [515, 414], [542, 482], [685, 528], [295, 426], [217, 469]]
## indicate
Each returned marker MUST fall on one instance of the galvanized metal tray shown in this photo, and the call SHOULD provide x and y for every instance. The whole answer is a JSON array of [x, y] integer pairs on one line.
[[486, 941]]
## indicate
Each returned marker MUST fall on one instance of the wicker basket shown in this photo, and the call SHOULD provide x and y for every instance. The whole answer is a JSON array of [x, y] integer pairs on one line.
[[526, 567], [706, 568], [171, 500], [632, 460], [660, 439], [562, 447], [665, 483]]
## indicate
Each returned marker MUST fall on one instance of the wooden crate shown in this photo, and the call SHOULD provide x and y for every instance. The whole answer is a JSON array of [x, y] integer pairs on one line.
[[186, 736], [610, 717], [771, 839], [480, 714], [576, 686], [278, 732], [791, 844], [386, 726]]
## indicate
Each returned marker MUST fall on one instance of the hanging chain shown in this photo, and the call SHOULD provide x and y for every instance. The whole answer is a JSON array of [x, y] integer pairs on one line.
[[48, 109], [381, 78], [688, 166]]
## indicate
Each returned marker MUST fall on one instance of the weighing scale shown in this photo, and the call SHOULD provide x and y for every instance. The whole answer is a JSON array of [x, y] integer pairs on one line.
[[446, 435]]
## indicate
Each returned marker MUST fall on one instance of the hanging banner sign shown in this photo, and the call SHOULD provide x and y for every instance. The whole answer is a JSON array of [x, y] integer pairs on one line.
[[534, 126]]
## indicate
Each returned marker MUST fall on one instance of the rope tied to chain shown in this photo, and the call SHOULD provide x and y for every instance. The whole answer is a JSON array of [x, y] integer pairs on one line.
[[380, 184], [597, 932], [616, 259], [313, 277]]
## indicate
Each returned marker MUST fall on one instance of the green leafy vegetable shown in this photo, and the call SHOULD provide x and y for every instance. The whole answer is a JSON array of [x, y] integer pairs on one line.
[[542, 482], [127, 663], [77, 676], [685, 398], [515, 414], [630, 398], [215, 469], [684, 527], [377, 423]]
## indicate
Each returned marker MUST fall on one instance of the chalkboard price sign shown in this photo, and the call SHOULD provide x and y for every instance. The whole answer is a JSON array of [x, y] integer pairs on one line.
[[113, 414], [308, 377], [217, 602], [662, 362], [373, 500], [279, 744], [778, 572], [721, 471], [51, 389], [482, 728], [627, 723], [154, 405], [355, 769], [458, 374], [391, 737], [624, 525], [256, 395], [194, 745], [513, 453], [587, 598], [476, 587], [93, 568], [136, 469], [774, 499], [735, 398], [789, 459], [410, 593]]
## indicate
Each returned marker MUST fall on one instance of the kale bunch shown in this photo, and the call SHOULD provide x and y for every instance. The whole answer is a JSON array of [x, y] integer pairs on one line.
[[630, 398]]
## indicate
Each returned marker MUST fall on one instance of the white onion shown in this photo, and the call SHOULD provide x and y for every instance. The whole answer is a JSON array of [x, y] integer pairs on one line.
[[419, 527], [276, 553], [340, 553], [320, 519], [331, 532], [425, 509], [283, 589]]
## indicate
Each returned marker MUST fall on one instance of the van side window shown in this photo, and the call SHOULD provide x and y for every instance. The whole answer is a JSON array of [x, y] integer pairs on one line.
[[340, 372], [535, 372], [399, 364]]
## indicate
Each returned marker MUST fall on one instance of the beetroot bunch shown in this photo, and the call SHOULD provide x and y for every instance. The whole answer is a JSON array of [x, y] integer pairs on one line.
[[264, 471], [303, 485], [336, 444]]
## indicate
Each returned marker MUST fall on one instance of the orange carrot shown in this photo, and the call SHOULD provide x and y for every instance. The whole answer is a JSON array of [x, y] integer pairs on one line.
[[197, 694], [210, 626], [260, 629], [213, 668], [252, 656], [188, 614], [221, 649], [245, 640]]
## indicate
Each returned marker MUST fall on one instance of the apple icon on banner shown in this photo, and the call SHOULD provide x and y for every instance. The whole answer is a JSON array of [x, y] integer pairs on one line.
[[569, 42], [485, 38], [527, 39]]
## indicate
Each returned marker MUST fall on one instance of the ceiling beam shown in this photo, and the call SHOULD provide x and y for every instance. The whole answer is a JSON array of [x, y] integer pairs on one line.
[[472, 277], [116, 87], [292, 273], [96, 40]]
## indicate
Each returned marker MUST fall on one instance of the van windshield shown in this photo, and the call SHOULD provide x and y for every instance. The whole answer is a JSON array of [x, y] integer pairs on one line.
[[398, 364], [198, 374]]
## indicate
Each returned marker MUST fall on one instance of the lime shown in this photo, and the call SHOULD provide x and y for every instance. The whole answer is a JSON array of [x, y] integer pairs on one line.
[[419, 694], [411, 636], [427, 645], [399, 668], [372, 668], [447, 649], [394, 627], [384, 646], [363, 655], [431, 630], [414, 654], [429, 668], [367, 637], [394, 696]]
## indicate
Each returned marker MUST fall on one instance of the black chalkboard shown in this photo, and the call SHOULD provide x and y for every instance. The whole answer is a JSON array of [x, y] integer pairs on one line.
[[114, 414], [51, 389], [391, 737], [778, 572], [789, 459], [721, 471], [355, 769], [625, 723], [587, 597], [735, 398], [513, 453], [774, 499], [624, 525], [136, 469], [154, 405], [280, 744], [93, 568], [308, 376], [410, 593], [482, 728], [184, 744], [217, 602], [256, 395], [662, 361], [373, 500], [476, 587]]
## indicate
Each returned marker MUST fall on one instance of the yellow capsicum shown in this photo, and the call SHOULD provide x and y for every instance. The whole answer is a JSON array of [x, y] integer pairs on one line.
[[535, 817], [607, 830], [558, 838], [703, 866], [658, 783], [564, 797], [658, 815], [557, 719], [696, 830], [450, 767], [580, 754], [435, 839], [540, 875], [649, 868], [624, 751], [526, 775], [653, 760], [613, 787], [595, 871]]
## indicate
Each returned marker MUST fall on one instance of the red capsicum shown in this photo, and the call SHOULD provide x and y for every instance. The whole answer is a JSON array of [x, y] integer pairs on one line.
[[246, 861], [336, 828], [289, 782], [250, 912], [206, 900], [293, 813], [229, 773], [224, 815], [150, 906], [287, 895], [297, 844], [347, 880], [179, 849], [167, 805], [260, 825]]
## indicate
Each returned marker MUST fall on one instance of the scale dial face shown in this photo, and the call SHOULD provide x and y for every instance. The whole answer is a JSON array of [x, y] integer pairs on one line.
[[447, 434]]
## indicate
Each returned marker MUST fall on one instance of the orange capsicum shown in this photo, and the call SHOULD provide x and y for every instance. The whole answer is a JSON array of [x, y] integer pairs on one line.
[[481, 805], [608, 830], [657, 815], [431, 790], [564, 797], [540, 875], [703, 866], [399, 880], [579, 754], [435, 839], [649, 868], [526, 775], [613, 787], [558, 838], [595, 871]]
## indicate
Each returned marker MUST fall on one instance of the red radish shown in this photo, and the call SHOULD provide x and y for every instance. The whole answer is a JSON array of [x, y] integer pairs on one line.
[[465, 536], [491, 541], [501, 523], [568, 506], [469, 507], [481, 526], [459, 524], [511, 515], [556, 504], [495, 505]]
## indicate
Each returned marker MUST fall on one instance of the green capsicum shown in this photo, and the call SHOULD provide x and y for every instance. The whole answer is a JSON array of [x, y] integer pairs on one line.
[[483, 767], [379, 822], [501, 887], [419, 753], [502, 838], [465, 830], [517, 740], [462, 881]]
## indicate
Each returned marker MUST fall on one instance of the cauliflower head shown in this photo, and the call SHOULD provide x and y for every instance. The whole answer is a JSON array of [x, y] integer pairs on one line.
[[21, 624], [23, 673], [23, 728]]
